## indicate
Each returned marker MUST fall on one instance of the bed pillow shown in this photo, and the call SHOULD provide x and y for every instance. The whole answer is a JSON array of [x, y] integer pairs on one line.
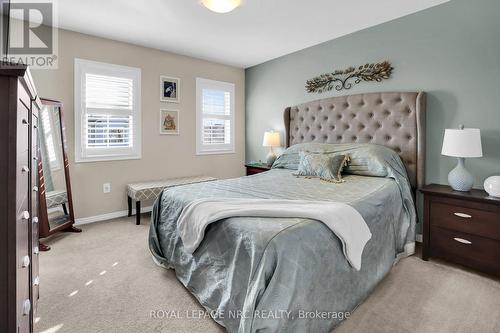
[[366, 159], [327, 167], [290, 159]]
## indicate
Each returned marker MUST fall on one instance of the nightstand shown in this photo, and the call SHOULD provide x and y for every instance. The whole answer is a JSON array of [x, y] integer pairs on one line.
[[463, 227], [252, 169]]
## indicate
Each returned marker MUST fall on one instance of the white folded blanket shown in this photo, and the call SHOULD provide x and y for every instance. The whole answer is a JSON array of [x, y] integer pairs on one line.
[[342, 219]]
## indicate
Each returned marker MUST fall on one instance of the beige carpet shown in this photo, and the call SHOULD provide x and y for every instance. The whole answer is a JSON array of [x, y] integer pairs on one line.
[[103, 280]]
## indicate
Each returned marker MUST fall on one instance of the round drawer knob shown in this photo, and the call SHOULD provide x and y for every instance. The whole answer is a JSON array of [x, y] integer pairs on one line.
[[25, 215], [36, 281], [25, 169], [35, 188], [26, 307], [35, 158], [36, 250], [25, 121], [35, 219], [26, 261]]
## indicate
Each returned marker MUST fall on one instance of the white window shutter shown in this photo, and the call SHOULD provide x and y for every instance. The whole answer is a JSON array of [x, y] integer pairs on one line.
[[215, 117], [108, 92], [108, 131], [108, 103]]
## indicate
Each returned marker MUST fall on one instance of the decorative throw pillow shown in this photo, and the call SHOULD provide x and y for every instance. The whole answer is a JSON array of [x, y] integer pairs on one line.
[[327, 167]]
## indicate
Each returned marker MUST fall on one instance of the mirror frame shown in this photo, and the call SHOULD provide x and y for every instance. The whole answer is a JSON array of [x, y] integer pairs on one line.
[[45, 229]]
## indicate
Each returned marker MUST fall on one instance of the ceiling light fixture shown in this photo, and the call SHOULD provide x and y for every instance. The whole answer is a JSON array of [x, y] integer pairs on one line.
[[221, 6]]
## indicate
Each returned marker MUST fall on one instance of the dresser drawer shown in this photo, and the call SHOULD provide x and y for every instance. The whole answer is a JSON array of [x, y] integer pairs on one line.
[[34, 190], [23, 129], [22, 182], [468, 220], [24, 97], [22, 230], [35, 280], [471, 250]]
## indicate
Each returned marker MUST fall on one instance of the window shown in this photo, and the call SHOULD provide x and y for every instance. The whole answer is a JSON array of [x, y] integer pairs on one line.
[[214, 117], [50, 126], [107, 112]]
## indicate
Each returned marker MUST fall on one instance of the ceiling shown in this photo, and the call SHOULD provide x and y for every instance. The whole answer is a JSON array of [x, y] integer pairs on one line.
[[258, 31]]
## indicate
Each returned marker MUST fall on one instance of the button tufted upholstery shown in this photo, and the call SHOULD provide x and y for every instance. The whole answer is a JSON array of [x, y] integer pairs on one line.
[[392, 119]]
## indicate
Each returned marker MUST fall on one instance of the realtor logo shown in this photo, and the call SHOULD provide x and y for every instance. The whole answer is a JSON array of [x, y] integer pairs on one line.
[[28, 34]]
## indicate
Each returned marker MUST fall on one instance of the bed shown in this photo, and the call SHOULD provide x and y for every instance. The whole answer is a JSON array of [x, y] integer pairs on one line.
[[261, 274]]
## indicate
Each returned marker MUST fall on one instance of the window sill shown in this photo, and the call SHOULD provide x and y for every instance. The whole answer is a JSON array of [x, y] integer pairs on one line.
[[107, 159], [215, 152]]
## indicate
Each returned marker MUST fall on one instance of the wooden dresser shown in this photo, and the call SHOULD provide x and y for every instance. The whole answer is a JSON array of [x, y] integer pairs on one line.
[[463, 227], [19, 109]]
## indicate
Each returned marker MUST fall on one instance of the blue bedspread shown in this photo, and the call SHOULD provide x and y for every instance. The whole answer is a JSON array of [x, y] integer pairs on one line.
[[287, 275]]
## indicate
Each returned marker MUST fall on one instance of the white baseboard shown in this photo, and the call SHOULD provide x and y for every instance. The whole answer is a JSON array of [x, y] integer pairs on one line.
[[418, 238], [109, 216]]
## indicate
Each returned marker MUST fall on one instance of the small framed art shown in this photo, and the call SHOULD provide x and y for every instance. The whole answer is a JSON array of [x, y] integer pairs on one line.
[[169, 122], [170, 89]]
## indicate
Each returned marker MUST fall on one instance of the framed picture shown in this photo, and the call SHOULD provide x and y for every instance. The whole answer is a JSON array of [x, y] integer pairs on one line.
[[169, 122], [170, 89]]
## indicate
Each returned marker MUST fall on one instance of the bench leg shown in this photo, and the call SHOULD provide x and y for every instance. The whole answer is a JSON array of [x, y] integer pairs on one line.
[[137, 212], [65, 210], [129, 201]]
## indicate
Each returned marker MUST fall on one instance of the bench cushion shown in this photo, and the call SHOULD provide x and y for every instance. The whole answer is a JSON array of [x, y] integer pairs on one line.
[[55, 198], [152, 189]]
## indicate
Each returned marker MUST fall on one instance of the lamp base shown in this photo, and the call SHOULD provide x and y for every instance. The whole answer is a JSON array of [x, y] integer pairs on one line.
[[460, 179], [270, 158]]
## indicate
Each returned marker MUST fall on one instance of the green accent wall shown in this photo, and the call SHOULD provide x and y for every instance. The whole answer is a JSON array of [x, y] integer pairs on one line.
[[451, 51]]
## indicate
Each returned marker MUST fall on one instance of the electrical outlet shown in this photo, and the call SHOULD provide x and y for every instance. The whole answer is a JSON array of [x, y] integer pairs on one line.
[[106, 187]]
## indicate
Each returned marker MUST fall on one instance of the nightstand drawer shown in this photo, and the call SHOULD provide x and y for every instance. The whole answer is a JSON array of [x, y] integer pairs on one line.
[[466, 249], [467, 220]]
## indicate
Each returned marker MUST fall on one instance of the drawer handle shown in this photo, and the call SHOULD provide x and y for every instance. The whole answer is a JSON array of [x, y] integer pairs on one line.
[[36, 250], [35, 158], [463, 241], [35, 188], [463, 215], [26, 262], [25, 215], [25, 169], [25, 122], [36, 281], [35, 219]]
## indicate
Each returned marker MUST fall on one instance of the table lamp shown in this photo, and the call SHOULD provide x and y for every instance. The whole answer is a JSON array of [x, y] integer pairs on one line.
[[271, 139], [462, 143]]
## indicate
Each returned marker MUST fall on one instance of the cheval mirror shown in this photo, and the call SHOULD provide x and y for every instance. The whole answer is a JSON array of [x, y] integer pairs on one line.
[[56, 204]]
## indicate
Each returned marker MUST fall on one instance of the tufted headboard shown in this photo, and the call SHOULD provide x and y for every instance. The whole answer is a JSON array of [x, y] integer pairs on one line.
[[392, 119]]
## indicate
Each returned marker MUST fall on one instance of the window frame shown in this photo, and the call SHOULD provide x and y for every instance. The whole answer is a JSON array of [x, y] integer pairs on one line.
[[202, 149], [83, 66]]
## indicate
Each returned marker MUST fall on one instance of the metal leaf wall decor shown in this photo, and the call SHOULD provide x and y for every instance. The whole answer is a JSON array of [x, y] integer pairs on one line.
[[344, 79]]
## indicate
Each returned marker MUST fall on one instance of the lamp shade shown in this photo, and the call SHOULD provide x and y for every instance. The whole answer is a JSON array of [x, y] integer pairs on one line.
[[462, 143], [271, 139], [221, 6]]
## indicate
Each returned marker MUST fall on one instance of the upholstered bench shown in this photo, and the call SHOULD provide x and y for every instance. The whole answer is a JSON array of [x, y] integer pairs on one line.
[[151, 190], [56, 198]]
